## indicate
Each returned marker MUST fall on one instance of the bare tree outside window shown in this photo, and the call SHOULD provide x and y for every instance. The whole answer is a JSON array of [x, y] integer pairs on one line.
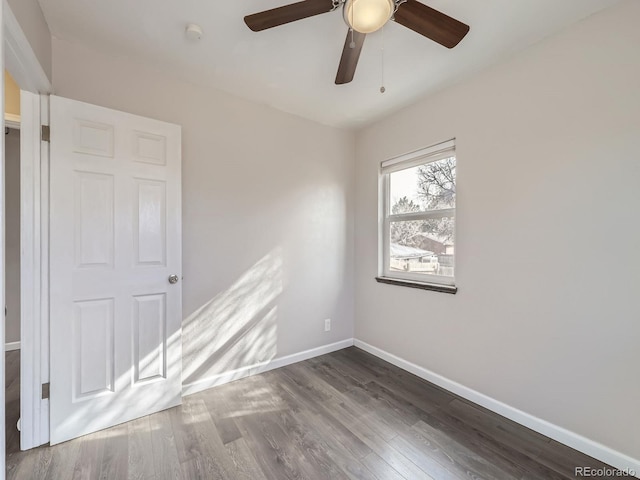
[[437, 184], [406, 233], [435, 189]]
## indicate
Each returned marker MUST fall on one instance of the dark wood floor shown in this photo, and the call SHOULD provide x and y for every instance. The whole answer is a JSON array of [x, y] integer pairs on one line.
[[12, 400], [346, 415]]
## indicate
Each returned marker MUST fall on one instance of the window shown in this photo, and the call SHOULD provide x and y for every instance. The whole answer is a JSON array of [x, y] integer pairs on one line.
[[419, 205]]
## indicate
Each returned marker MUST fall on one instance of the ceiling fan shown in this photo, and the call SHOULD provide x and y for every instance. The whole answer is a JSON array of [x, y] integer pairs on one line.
[[363, 17]]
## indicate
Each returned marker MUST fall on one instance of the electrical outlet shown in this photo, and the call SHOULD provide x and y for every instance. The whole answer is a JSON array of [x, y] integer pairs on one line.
[[327, 325]]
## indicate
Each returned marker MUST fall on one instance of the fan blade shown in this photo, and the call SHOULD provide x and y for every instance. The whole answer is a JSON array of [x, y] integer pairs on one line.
[[350, 56], [286, 14], [431, 23]]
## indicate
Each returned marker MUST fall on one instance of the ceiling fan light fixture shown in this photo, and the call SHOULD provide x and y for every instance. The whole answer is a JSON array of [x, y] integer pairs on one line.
[[367, 16]]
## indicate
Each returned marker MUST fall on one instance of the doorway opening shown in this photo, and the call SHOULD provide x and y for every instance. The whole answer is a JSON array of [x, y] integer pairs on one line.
[[26, 342], [12, 263]]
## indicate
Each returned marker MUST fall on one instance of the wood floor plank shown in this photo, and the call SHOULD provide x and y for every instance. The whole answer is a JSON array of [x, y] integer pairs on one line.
[[246, 397], [184, 436], [406, 384], [353, 468], [354, 400], [310, 431], [456, 454], [23, 465], [12, 402], [203, 453], [319, 416], [245, 465], [381, 469], [420, 454], [379, 446], [346, 367], [308, 383], [492, 443], [378, 423], [346, 451], [310, 437], [271, 448], [227, 430], [63, 460], [455, 431], [509, 433], [115, 463], [257, 411], [337, 378], [563, 460], [140, 454], [165, 452], [89, 461]]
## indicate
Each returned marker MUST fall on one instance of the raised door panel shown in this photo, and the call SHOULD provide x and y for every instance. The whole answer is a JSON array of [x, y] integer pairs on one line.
[[93, 359], [94, 225], [150, 148], [150, 222], [149, 338], [93, 138]]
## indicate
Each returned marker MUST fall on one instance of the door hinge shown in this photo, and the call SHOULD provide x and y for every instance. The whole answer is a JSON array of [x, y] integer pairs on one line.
[[45, 391], [46, 133]]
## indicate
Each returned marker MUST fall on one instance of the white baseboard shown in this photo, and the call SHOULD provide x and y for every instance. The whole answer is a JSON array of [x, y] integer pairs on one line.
[[562, 435], [261, 367], [11, 346]]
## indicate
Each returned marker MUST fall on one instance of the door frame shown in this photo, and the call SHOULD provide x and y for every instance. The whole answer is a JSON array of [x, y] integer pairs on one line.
[[23, 65], [34, 264]]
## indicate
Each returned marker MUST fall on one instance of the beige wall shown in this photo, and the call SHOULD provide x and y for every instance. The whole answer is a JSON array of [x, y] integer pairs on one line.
[[12, 231], [34, 26], [547, 317], [11, 95], [267, 213]]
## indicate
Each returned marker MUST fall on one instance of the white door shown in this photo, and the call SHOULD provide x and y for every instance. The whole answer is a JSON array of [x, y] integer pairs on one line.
[[115, 240]]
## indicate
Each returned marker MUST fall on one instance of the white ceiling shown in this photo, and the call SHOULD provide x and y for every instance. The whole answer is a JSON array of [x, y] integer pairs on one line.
[[293, 67]]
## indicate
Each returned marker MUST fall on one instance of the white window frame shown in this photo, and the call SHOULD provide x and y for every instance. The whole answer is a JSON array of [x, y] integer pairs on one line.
[[419, 157]]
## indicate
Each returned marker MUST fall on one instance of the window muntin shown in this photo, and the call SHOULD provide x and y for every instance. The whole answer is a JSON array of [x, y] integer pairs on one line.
[[419, 216]]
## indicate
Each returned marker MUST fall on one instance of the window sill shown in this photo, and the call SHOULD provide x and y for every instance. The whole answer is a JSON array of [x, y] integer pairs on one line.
[[421, 285]]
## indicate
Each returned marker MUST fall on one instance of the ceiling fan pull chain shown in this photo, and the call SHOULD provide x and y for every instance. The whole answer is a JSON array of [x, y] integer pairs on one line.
[[382, 89]]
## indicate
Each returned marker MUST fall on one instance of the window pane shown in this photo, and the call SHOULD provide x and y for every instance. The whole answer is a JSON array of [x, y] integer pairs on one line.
[[422, 246], [425, 187]]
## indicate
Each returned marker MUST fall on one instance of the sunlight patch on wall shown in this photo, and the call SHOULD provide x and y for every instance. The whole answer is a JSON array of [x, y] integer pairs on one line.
[[238, 327]]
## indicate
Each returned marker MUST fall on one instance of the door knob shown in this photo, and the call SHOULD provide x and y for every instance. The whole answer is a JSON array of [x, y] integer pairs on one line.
[[173, 279]]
